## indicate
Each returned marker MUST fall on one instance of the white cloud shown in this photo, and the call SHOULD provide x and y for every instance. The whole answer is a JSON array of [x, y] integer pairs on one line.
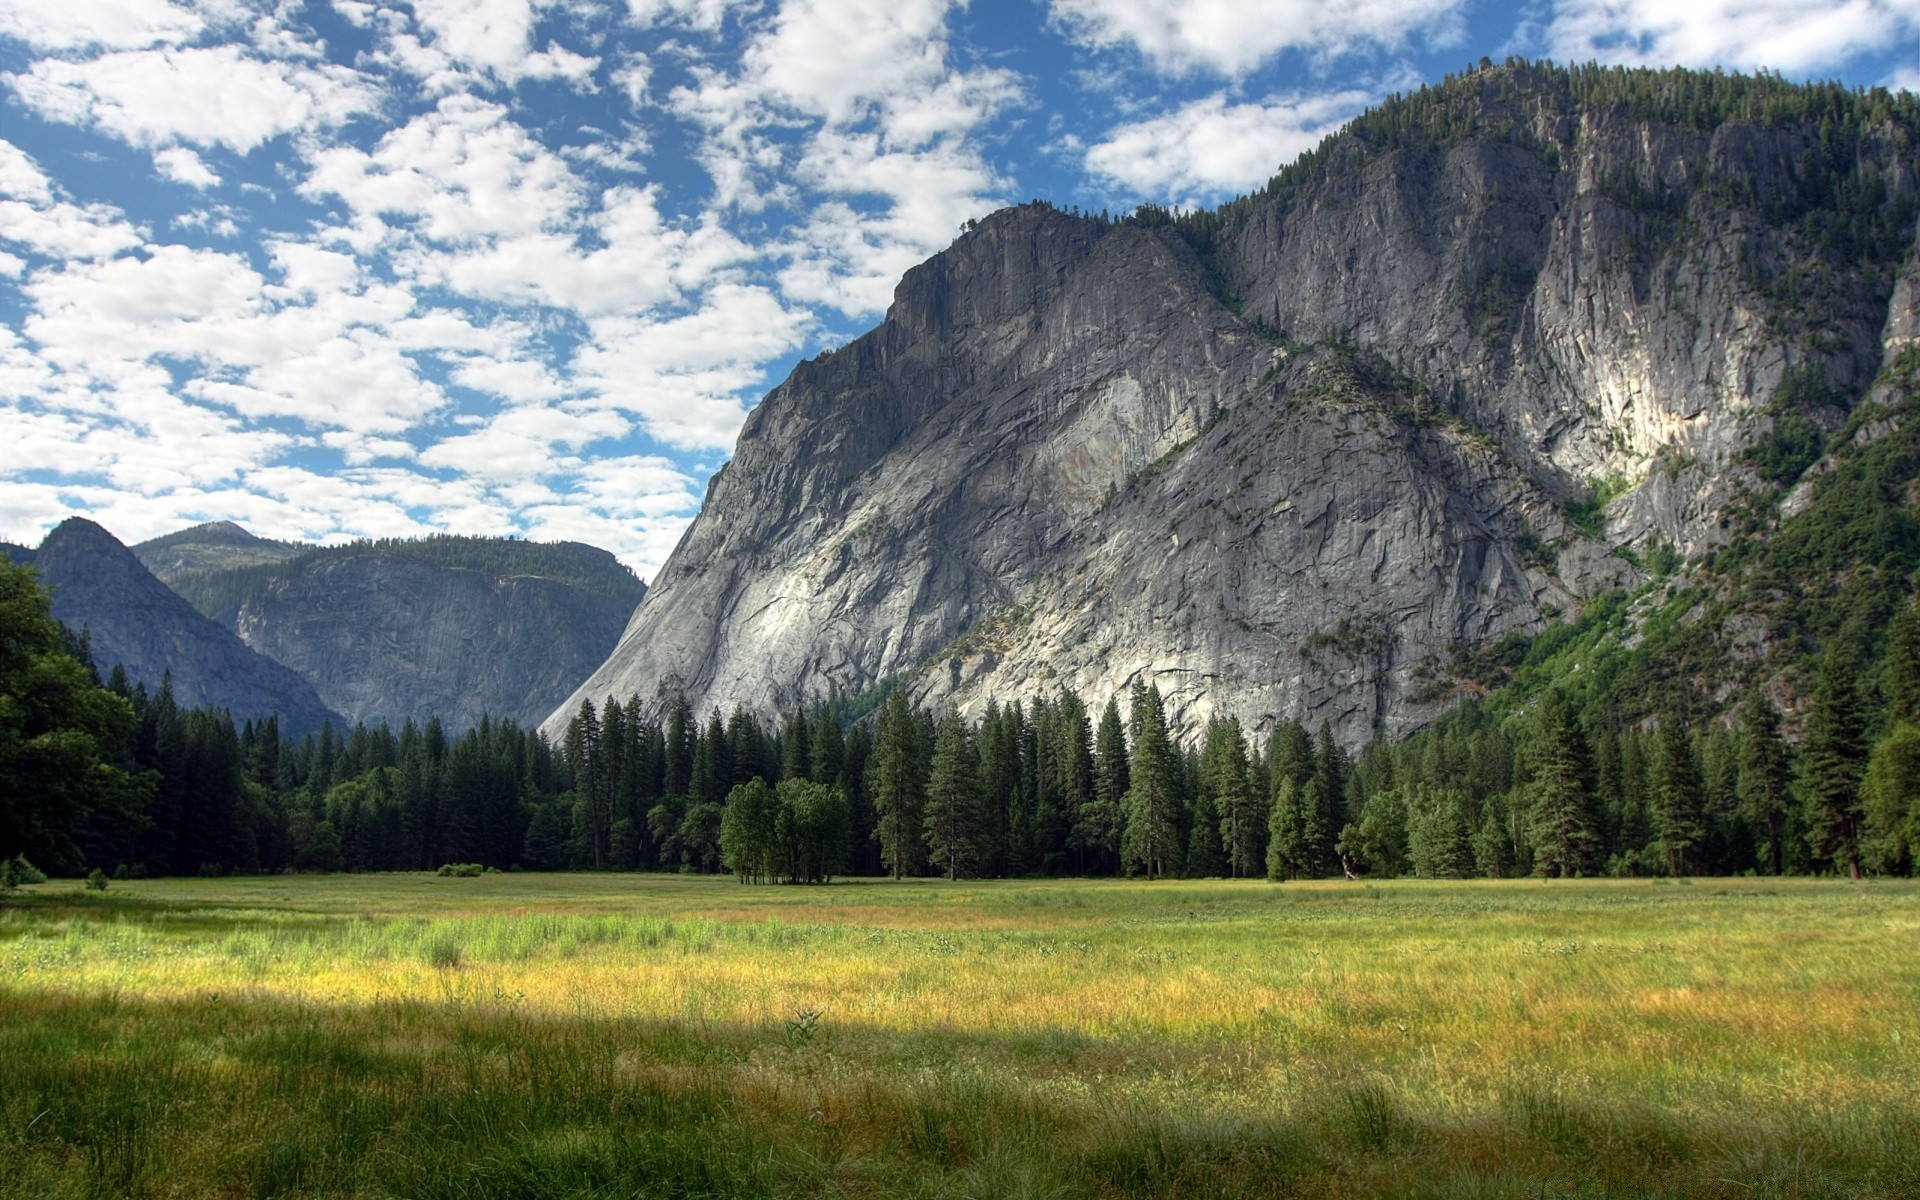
[[1786, 35], [1233, 37], [184, 166], [848, 106], [113, 24], [683, 377], [462, 173], [1210, 147], [702, 15], [21, 178], [488, 39], [209, 96]]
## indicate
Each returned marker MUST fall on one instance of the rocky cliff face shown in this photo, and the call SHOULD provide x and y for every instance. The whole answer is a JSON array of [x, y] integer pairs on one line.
[[1284, 459], [134, 621], [457, 628]]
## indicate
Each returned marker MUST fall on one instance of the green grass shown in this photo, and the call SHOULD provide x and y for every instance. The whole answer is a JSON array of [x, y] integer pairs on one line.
[[576, 1035]]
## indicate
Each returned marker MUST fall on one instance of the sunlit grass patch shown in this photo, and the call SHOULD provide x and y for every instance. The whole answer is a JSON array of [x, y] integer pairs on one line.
[[618, 1035]]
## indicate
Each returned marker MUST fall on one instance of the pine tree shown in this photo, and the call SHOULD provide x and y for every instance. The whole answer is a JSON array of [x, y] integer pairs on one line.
[[953, 824], [1107, 818], [1440, 833], [1289, 846], [1562, 825], [1225, 779], [681, 735], [1678, 803], [1891, 799], [1205, 857], [1833, 759], [1072, 761], [1151, 837], [898, 781], [1766, 777], [827, 750]]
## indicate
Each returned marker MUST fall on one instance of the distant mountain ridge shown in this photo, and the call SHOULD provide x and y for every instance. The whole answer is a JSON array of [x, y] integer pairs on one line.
[[397, 629], [216, 546], [133, 620]]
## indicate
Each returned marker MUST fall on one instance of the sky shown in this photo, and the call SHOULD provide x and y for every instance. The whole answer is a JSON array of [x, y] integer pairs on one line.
[[338, 269]]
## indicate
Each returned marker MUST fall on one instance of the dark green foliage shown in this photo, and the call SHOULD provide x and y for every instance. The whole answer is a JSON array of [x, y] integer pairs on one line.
[[1565, 841], [955, 828], [897, 778], [1151, 842], [1679, 803], [60, 735], [1890, 796], [1765, 779], [1832, 763]]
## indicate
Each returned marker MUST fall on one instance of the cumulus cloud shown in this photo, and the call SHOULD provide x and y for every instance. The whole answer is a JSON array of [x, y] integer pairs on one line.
[[208, 96], [857, 102], [492, 41], [184, 166], [113, 24], [1786, 35], [1232, 37], [1212, 147]]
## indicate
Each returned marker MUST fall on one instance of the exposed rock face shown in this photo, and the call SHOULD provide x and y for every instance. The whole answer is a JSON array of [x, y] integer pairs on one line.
[[1078, 453], [386, 636], [136, 622], [215, 546]]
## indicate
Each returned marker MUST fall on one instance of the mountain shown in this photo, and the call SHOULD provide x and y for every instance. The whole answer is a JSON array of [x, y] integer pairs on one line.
[[454, 627], [133, 620], [1492, 351], [215, 546]]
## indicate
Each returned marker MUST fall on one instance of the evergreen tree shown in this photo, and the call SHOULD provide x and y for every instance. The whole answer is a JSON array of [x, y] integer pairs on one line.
[[953, 816], [1440, 834], [1891, 799], [1225, 780], [1072, 761], [1107, 817], [796, 748], [826, 750], [1151, 838], [1289, 844], [1833, 760], [1678, 803], [681, 735], [1206, 859], [897, 777], [1562, 824]]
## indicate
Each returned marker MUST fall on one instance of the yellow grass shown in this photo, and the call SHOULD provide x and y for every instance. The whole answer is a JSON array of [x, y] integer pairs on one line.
[[1727, 1017]]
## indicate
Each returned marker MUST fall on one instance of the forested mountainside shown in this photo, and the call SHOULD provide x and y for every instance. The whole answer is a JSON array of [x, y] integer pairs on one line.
[[1496, 351], [397, 629], [132, 621], [214, 547]]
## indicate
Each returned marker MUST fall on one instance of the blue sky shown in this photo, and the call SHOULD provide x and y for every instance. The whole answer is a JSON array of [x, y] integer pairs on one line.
[[342, 268]]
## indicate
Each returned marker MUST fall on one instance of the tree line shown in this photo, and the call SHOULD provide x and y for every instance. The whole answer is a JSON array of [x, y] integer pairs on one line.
[[103, 774]]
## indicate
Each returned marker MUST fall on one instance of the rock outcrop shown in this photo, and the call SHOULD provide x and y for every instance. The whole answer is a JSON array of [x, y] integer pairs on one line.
[[458, 628], [134, 621], [1287, 458]]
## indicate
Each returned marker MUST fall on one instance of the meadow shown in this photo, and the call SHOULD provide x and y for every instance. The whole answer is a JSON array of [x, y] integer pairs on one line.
[[634, 1035]]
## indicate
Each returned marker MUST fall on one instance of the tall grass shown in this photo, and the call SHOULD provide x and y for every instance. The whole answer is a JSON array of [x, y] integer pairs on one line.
[[599, 1036]]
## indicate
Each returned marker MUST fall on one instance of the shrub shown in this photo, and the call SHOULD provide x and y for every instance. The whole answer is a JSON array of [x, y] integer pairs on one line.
[[97, 880], [462, 870]]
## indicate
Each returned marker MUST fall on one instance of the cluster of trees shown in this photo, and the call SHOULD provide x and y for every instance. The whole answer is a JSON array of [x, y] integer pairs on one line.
[[107, 775]]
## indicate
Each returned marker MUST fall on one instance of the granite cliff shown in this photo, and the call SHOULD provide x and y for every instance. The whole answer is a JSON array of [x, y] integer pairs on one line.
[[1451, 375], [454, 627]]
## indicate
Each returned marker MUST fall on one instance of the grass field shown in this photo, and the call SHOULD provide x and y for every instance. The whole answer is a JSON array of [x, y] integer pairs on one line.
[[605, 1035]]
